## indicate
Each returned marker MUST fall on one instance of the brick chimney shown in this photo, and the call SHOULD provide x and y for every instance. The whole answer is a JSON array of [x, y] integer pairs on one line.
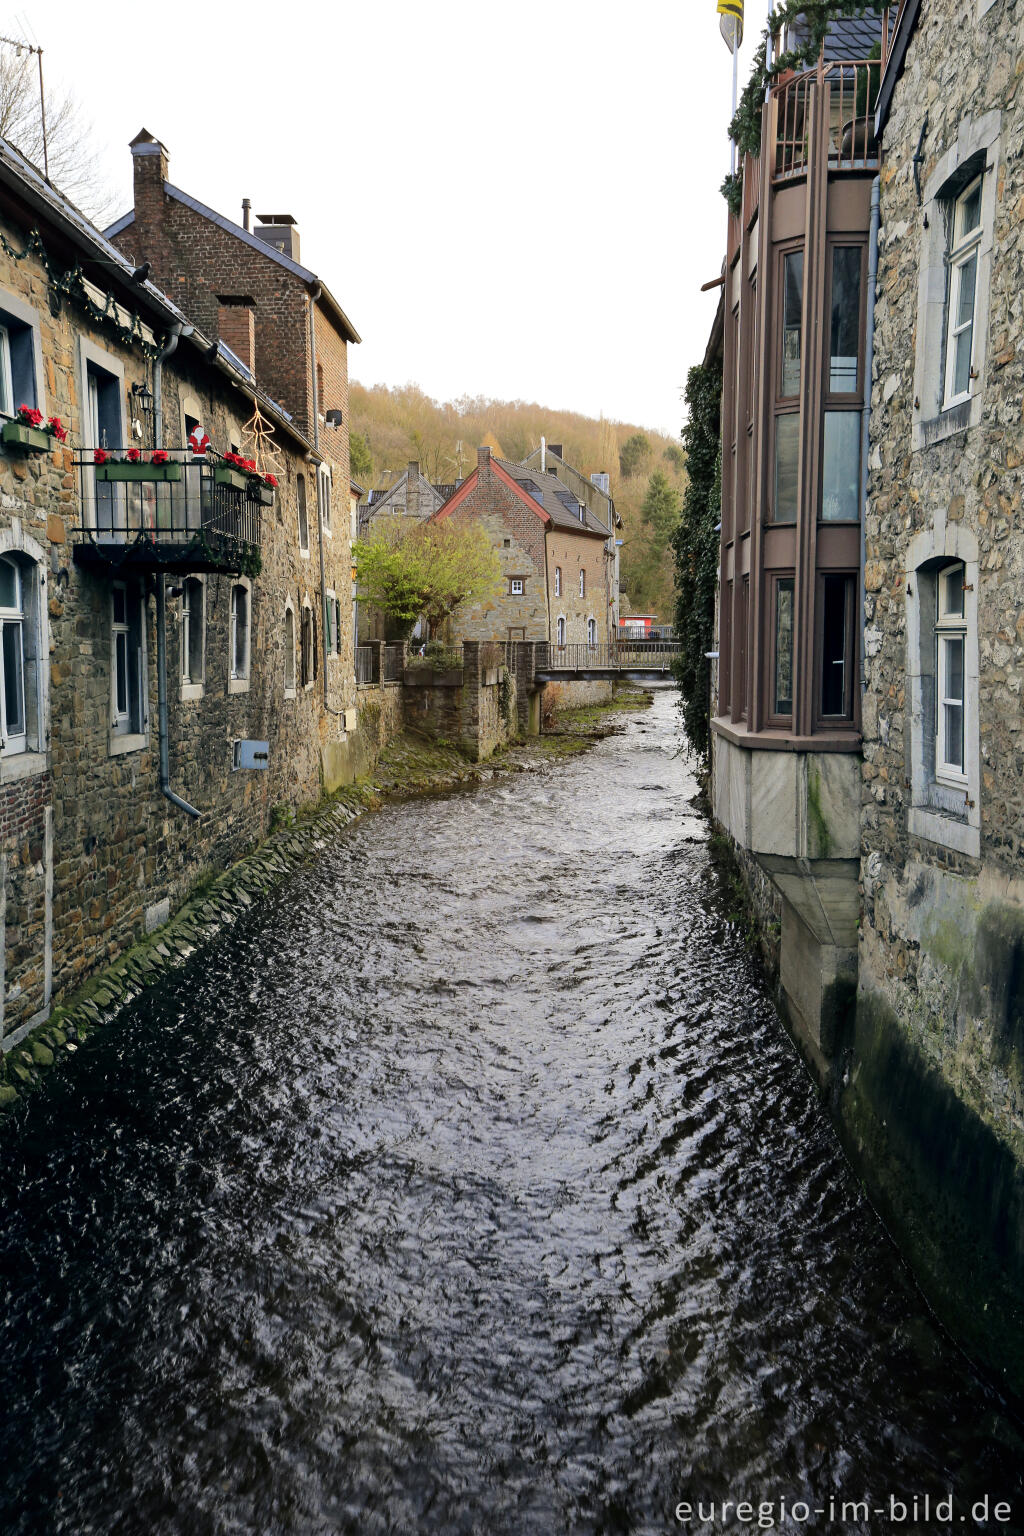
[[412, 489], [236, 327], [149, 171], [483, 460]]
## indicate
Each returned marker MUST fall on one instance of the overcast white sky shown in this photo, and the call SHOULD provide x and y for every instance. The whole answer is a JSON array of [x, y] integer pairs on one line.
[[518, 201]]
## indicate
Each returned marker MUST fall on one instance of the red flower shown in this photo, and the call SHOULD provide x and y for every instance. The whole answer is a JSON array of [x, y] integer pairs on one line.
[[29, 416], [270, 480], [158, 456], [57, 429], [249, 465], [233, 459], [100, 456], [133, 456]]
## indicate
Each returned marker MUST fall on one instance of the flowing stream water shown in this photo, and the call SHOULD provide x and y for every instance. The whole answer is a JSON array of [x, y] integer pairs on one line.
[[471, 1184]]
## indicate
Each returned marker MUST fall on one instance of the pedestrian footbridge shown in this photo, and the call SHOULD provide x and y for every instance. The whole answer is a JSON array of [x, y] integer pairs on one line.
[[642, 660]]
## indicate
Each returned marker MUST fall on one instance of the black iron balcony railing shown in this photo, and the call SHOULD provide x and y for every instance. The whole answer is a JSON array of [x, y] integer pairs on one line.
[[182, 513]]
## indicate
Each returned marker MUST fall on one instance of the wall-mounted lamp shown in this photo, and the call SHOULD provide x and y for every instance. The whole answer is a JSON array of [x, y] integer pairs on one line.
[[333, 418], [142, 397]]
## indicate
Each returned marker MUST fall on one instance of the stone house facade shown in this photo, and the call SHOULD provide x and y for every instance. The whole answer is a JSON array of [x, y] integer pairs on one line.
[[108, 584], [247, 288], [552, 552], [596, 496], [933, 1102], [411, 498]]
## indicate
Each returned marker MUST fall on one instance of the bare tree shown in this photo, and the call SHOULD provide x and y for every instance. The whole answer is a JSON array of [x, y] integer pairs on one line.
[[70, 148]]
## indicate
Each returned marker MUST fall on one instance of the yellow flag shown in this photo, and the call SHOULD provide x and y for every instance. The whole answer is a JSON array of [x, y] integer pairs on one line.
[[731, 24]]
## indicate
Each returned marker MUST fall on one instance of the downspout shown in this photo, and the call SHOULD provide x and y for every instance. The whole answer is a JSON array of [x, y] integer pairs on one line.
[[161, 592], [314, 293], [865, 429]]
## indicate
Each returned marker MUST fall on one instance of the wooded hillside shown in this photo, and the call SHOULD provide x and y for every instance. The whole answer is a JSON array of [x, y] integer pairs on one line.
[[389, 427]]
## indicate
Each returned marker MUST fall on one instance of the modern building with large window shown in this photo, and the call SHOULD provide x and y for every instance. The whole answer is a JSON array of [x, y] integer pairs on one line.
[[786, 732]]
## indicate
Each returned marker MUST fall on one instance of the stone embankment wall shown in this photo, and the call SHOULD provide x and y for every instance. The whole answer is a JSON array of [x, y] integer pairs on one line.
[[932, 1095]]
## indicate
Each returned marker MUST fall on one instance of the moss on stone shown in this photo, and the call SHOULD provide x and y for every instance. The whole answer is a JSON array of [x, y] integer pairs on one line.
[[817, 826]]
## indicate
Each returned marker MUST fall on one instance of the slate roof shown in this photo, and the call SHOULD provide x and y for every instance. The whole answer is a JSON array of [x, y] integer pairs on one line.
[[558, 503], [848, 37]]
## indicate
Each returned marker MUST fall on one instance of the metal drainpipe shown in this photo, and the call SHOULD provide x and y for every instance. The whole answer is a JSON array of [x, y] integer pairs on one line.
[[314, 293], [161, 595], [865, 430]]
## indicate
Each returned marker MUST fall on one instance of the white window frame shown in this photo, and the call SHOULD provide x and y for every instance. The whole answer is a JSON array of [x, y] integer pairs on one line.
[[583, 583], [238, 679], [975, 149], [307, 608], [302, 513], [192, 688], [13, 308], [558, 581], [943, 810], [560, 631], [290, 661], [515, 586], [14, 617], [6, 377], [331, 620], [323, 495], [950, 627], [592, 633], [964, 254], [122, 737]]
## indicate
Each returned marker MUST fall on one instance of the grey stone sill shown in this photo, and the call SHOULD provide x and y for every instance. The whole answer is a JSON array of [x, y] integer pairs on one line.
[[238, 685], [190, 692], [128, 742], [303, 553], [938, 429], [289, 693], [945, 831], [21, 765]]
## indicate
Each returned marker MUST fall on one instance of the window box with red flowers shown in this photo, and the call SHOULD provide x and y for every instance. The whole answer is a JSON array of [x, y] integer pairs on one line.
[[27, 431], [159, 466], [262, 488], [233, 471]]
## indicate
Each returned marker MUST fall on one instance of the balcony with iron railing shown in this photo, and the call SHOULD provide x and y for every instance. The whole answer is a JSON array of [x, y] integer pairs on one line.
[[181, 513]]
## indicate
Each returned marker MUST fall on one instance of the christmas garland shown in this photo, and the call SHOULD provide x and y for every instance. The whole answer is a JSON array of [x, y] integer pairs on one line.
[[71, 285], [817, 15]]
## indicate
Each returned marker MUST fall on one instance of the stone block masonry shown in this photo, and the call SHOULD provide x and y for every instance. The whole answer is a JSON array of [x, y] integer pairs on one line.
[[931, 1097]]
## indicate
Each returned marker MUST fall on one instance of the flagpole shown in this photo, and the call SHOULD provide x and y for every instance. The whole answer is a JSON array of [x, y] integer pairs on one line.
[[735, 55]]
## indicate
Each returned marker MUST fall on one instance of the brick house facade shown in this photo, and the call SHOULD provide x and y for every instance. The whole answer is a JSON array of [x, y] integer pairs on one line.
[[552, 553], [92, 850], [248, 288]]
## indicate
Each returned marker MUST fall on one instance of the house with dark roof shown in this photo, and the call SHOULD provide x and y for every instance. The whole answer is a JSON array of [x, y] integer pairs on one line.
[[410, 498], [594, 492], [159, 610], [553, 555]]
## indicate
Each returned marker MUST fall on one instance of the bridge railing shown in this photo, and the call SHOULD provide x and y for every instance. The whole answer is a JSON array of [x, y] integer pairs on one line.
[[619, 655]]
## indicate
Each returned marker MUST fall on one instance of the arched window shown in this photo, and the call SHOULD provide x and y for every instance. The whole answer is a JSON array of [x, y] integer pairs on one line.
[[592, 632], [560, 632], [289, 651], [13, 720], [300, 502]]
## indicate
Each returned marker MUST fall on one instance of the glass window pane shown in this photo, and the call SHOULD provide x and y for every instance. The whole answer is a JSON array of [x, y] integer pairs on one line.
[[793, 294], [121, 672], [968, 280], [119, 605], [953, 593], [14, 680], [835, 645], [962, 362], [845, 342], [970, 211], [784, 647], [787, 460], [840, 497], [953, 681], [6, 387], [953, 753], [9, 594]]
